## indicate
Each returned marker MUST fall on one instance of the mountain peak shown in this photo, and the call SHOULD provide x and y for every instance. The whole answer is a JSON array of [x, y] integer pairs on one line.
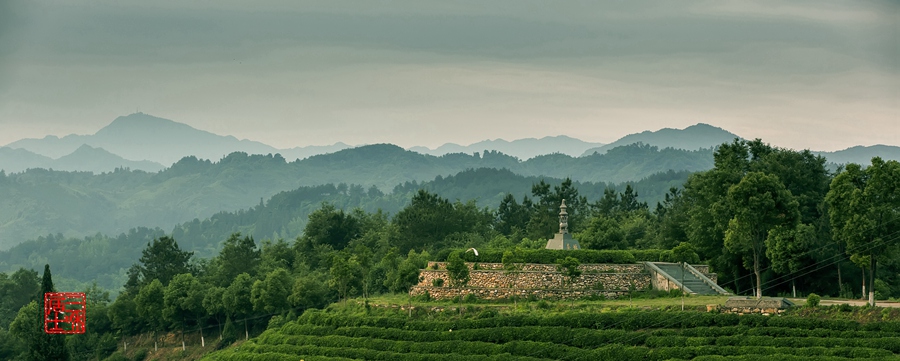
[[697, 136], [142, 122]]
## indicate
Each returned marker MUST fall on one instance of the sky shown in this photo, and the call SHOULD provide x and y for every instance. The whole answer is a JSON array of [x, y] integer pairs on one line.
[[820, 74]]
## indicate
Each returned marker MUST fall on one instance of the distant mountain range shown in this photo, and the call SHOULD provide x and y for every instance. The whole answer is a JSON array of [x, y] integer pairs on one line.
[[83, 159], [141, 136], [38, 202], [698, 136], [144, 142], [523, 148], [862, 155]]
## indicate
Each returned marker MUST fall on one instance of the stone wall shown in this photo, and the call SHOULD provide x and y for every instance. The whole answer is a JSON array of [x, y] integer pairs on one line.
[[660, 282], [504, 293], [586, 268], [490, 281], [542, 280]]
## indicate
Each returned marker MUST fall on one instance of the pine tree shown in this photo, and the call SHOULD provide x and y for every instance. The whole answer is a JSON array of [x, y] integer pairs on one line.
[[44, 346]]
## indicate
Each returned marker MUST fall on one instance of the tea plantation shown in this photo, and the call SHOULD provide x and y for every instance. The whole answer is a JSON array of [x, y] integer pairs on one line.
[[356, 332]]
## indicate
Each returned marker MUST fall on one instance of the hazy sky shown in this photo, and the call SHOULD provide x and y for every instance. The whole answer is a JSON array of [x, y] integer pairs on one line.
[[817, 74]]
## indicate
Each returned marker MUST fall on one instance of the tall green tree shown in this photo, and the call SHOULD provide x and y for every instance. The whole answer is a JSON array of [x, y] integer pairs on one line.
[[331, 226], [864, 207], [183, 302], [149, 303], [512, 216], [17, 290], [429, 221], [44, 346], [310, 291], [271, 294], [161, 260], [346, 274], [761, 204], [789, 249], [544, 221], [238, 255], [237, 300], [215, 306]]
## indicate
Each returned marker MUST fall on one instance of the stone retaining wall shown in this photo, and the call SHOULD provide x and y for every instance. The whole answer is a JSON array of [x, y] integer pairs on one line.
[[542, 280], [586, 268], [491, 281], [504, 293]]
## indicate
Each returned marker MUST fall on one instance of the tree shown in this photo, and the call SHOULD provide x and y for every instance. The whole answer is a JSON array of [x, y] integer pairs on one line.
[[124, 316], [238, 255], [149, 303], [512, 216], [602, 232], [309, 291], [17, 290], [271, 294], [331, 226], [569, 268], [345, 273], [215, 306], [760, 203], [237, 300], [406, 273], [545, 215], [426, 222], [24, 328], [183, 302], [41, 345], [161, 260], [788, 249], [457, 270], [865, 212]]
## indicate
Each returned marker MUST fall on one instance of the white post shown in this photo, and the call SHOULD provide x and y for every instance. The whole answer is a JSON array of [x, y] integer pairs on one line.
[[182, 345], [202, 342], [126, 345]]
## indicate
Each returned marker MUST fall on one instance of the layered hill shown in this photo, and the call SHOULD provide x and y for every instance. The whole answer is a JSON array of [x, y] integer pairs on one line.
[[141, 136], [104, 259], [698, 136], [84, 159], [38, 202], [521, 148], [862, 155]]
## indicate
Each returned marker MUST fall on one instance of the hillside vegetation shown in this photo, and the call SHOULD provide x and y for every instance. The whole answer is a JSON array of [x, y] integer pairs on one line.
[[768, 221], [40, 202]]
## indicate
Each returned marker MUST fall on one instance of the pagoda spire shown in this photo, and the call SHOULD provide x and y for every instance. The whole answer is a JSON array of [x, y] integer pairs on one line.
[[563, 218]]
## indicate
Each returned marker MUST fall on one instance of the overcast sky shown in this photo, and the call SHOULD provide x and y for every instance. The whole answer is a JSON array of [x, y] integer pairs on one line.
[[817, 74]]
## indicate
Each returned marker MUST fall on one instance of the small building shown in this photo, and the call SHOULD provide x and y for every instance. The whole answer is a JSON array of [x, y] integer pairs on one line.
[[563, 239]]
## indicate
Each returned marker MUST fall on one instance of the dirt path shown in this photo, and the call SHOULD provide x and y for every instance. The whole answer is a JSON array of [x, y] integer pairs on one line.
[[802, 301]]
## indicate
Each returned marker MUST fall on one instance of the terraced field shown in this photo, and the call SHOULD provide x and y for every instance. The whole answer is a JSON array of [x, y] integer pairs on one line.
[[357, 333]]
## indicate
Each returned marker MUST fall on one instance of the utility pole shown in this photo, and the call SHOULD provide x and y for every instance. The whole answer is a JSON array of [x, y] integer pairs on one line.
[[682, 284]]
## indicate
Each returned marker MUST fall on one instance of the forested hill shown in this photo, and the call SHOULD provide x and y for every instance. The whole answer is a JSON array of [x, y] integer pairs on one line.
[[104, 259], [39, 202]]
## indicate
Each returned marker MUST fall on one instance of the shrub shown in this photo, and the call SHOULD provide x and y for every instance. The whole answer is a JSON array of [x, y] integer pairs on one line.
[[813, 300], [437, 282]]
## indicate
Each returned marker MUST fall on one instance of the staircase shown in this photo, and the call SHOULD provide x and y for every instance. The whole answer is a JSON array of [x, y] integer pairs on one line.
[[693, 283]]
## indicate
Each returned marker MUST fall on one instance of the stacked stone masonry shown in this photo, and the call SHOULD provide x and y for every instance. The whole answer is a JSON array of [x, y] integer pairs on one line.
[[491, 281]]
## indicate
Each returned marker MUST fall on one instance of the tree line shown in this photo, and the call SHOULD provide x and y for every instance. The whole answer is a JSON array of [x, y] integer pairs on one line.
[[768, 220]]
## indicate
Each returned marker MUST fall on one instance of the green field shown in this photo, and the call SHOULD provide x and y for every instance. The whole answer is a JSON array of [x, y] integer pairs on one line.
[[602, 330]]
